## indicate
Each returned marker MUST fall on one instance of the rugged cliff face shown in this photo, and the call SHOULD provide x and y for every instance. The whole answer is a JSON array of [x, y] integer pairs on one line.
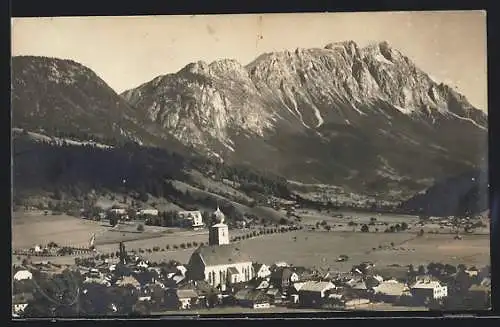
[[367, 118]]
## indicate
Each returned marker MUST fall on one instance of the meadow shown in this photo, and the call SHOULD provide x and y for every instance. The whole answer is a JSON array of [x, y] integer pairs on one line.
[[319, 248]]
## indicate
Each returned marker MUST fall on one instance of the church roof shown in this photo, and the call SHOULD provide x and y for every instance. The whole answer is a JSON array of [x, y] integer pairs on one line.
[[225, 254]]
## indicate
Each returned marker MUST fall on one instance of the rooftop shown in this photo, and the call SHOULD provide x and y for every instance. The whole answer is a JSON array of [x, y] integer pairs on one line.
[[186, 293], [313, 286], [426, 284], [390, 288], [225, 254]]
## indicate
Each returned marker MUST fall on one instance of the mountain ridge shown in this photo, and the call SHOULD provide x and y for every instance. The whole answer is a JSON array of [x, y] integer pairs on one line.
[[341, 115], [320, 95]]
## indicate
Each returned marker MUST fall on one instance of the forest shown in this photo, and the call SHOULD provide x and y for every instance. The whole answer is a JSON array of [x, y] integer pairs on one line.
[[76, 170]]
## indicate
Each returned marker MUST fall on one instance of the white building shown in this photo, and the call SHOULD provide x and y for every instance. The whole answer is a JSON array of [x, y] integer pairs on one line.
[[429, 289], [220, 263], [23, 275], [193, 218], [118, 211]]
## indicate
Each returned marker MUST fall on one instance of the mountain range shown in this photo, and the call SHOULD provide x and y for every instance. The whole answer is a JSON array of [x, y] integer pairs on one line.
[[363, 118]]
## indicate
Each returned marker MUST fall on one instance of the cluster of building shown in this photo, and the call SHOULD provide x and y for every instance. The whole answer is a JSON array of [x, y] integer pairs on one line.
[[222, 274]]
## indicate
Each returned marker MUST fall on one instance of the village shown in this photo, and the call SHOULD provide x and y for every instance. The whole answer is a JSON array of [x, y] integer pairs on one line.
[[219, 277]]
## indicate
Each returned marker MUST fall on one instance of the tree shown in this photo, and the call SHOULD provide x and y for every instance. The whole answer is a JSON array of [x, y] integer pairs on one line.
[[421, 270], [365, 228], [450, 269], [404, 226]]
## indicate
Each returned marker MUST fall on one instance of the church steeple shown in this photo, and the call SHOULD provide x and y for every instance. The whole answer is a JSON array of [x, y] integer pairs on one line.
[[219, 231]]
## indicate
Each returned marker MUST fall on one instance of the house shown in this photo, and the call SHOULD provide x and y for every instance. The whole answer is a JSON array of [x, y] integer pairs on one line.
[[358, 287], [23, 275], [261, 270], [148, 212], [20, 302], [283, 277], [389, 291], [472, 272], [220, 263], [193, 219], [304, 274], [187, 298], [423, 291], [118, 210], [252, 299], [313, 293], [128, 281], [181, 299]]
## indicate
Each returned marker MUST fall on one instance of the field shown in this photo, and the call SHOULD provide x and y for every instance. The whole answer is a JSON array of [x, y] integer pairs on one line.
[[301, 248], [321, 249], [31, 229]]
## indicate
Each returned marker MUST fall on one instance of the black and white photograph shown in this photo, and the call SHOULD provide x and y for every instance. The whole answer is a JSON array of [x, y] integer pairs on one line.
[[249, 164]]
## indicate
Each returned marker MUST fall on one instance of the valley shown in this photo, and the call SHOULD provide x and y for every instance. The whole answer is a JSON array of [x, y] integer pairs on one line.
[[298, 168]]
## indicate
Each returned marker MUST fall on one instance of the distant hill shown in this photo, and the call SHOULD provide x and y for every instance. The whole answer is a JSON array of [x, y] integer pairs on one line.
[[64, 98], [461, 195]]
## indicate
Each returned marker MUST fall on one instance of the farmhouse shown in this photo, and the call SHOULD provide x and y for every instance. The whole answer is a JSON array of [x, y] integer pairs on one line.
[[220, 263], [313, 293], [191, 218]]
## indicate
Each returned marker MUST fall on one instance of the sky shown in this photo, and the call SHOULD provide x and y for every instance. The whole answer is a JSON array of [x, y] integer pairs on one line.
[[128, 51]]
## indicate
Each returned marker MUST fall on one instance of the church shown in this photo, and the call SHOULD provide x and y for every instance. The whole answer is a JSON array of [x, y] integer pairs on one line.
[[220, 263]]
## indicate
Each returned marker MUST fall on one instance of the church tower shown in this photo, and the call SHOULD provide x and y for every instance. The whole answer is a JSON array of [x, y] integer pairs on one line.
[[219, 232]]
